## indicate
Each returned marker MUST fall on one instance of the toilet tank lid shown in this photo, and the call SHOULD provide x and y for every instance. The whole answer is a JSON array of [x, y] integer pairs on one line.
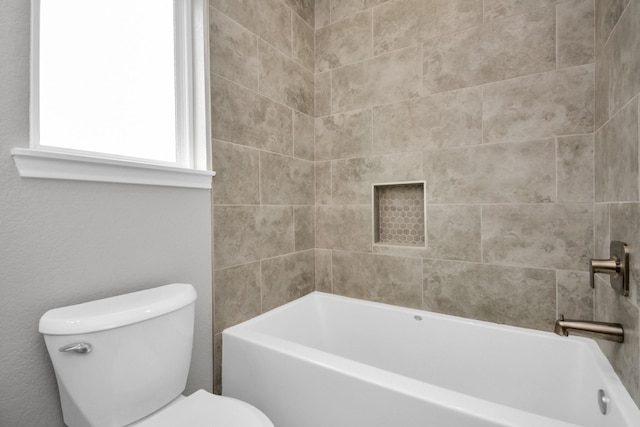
[[114, 312]]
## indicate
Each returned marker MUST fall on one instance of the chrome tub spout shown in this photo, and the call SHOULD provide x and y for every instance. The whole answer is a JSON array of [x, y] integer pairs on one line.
[[607, 331]]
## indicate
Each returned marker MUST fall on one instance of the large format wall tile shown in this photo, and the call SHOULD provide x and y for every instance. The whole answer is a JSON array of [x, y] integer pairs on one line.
[[617, 79], [304, 226], [453, 232], [602, 234], [237, 180], [575, 168], [380, 278], [514, 296], [386, 78], [443, 120], [481, 55], [553, 236], [601, 90], [236, 295], [616, 157], [352, 179], [323, 183], [324, 276], [245, 234], [233, 49], [343, 135], [495, 9], [270, 19], [244, 117], [402, 23], [322, 13], [286, 278], [341, 9], [548, 104], [303, 136], [575, 296], [285, 180], [322, 94], [344, 42], [347, 228], [495, 173], [575, 33], [304, 8], [608, 13], [284, 80], [302, 43]]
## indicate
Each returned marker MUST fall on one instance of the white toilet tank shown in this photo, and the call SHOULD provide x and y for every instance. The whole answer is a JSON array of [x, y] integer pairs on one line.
[[140, 350]]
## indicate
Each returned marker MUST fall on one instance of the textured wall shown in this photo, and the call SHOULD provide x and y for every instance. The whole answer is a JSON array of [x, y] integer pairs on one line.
[[262, 96], [68, 242], [617, 195]]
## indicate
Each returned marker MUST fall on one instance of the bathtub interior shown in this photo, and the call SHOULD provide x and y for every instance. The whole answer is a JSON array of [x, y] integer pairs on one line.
[[533, 371]]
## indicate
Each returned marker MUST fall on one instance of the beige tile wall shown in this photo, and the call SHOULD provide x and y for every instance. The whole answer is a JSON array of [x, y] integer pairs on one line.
[[492, 104], [523, 125], [617, 194], [262, 102], [501, 107]]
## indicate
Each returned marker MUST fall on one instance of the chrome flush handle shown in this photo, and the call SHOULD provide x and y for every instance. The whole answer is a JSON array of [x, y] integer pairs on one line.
[[80, 347]]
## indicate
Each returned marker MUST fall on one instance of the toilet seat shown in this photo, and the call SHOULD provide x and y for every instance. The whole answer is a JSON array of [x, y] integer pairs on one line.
[[205, 409]]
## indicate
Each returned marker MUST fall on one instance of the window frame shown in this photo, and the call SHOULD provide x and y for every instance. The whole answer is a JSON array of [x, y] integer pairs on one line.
[[192, 168]]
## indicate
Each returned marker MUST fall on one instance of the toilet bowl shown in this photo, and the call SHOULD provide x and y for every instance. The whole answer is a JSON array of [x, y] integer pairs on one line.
[[203, 409], [123, 361]]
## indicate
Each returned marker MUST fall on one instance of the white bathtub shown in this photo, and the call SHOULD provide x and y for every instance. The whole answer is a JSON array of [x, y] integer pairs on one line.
[[330, 361]]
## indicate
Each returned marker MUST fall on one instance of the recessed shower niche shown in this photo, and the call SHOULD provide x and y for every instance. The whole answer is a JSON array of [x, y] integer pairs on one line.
[[399, 214]]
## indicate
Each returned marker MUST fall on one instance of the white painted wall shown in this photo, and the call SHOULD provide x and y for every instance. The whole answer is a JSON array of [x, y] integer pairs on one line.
[[64, 242]]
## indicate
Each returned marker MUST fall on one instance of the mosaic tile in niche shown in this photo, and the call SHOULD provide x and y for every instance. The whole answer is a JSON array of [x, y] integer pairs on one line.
[[399, 212]]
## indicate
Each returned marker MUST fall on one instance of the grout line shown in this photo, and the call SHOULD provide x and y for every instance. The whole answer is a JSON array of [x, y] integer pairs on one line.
[[331, 270], [226, 267], [636, 97], [625, 11], [448, 260], [261, 286], [255, 91], [331, 184], [259, 179], [260, 38], [556, 160], [331, 112], [258, 58], [482, 115], [293, 133], [293, 215], [428, 95], [373, 43], [248, 147], [557, 299], [486, 204], [555, 11], [481, 235]]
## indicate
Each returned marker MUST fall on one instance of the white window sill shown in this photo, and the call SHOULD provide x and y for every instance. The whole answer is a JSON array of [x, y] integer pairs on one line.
[[52, 165]]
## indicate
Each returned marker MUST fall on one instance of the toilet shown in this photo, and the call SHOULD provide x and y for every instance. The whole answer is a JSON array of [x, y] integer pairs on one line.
[[123, 361]]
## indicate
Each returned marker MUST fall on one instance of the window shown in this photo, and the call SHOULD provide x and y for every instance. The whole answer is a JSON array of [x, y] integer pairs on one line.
[[118, 82]]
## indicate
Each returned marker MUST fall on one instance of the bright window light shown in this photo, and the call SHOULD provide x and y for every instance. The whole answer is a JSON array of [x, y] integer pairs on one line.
[[107, 79]]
